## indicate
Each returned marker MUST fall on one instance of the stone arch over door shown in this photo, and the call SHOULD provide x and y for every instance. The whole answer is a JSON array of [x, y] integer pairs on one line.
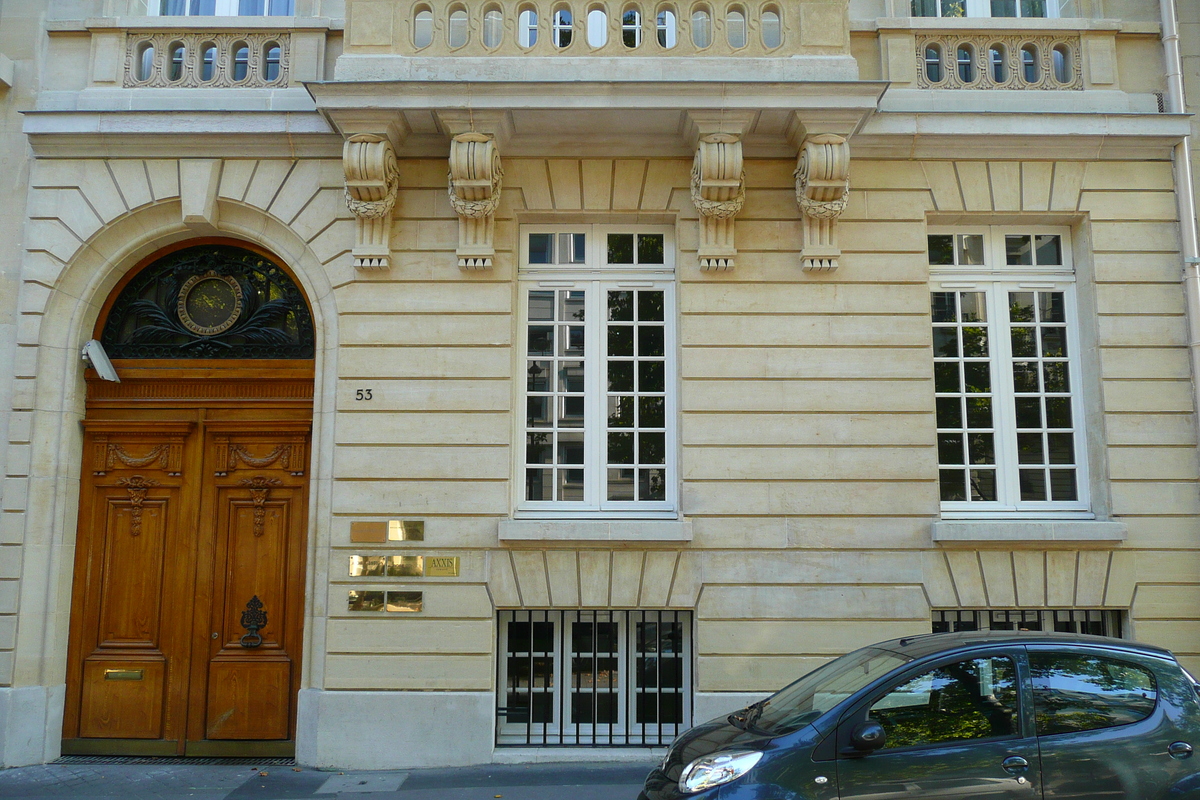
[[65, 286]]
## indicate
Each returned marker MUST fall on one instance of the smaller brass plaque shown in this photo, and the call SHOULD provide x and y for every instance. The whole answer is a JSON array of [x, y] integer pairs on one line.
[[358, 600], [406, 530], [405, 566], [123, 674], [441, 566], [369, 532], [407, 602]]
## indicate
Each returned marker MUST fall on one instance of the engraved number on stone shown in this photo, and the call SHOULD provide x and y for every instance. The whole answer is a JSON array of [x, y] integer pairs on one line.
[[362, 394]]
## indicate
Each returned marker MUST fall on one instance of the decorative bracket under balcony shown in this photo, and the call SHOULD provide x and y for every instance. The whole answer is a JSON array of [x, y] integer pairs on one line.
[[475, 181], [822, 191], [718, 192], [372, 181]]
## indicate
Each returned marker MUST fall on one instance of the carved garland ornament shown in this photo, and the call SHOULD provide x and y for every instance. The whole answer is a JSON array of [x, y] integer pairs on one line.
[[372, 182], [474, 184], [136, 486], [719, 193], [108, 455], [822, 193]]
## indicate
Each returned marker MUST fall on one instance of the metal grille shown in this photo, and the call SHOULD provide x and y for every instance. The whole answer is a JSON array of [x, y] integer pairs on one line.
[[593, 678], [1091, 621]]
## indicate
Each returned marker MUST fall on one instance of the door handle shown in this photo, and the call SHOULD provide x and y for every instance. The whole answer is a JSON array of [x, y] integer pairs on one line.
[[1014, 764], [1179, 750]]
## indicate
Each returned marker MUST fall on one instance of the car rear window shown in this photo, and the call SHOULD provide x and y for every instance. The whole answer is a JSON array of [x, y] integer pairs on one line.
[[1081, 692]]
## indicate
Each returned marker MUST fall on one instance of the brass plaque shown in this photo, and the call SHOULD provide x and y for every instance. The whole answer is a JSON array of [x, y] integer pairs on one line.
[[441, 566], [358, 600], [405, 566], [406, 530], [368, 566], [407, 602], [123, 674], [369, 532]]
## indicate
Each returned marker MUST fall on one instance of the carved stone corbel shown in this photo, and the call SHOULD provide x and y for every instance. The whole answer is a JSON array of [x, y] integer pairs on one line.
[[372, 181], [474, 184], [718, 192], [822, 191]]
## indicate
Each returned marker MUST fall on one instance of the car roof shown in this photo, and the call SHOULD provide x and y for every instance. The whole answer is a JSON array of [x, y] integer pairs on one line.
[[928, 644]]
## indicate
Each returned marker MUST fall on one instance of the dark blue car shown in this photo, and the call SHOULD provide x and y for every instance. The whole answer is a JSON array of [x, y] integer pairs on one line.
[[994, 715]]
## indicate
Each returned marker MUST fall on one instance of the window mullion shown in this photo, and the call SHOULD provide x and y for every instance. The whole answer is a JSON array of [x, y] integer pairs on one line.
[[1005, 421], [594, 371]]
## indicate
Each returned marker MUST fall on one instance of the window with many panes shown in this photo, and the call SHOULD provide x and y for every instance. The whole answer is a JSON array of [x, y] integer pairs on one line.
[[598, 433], [993, 8], [1006, 372], [1092, 621], [593, 677], [222, 8]]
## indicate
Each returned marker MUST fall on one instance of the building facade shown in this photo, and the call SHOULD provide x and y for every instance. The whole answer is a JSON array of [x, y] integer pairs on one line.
[[567, 373]]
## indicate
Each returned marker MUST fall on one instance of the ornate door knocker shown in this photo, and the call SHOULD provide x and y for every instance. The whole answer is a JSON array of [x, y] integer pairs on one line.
[[254, 619]]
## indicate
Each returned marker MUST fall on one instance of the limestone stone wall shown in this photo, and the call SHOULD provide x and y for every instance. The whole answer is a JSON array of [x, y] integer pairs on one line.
[[807, 433]]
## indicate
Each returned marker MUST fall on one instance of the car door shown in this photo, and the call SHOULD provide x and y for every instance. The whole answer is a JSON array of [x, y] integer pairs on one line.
[[1112, 725], [954, 729]]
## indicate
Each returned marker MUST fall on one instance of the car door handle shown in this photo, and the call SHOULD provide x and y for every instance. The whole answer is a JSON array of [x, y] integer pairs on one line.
[[1179, 750], [1014, 764]]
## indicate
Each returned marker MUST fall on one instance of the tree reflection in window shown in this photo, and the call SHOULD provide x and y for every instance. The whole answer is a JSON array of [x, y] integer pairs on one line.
[[1076, 692], [975, 699], [273, 320]]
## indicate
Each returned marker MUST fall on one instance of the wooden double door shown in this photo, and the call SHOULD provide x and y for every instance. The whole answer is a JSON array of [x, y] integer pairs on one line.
[[187, 611]]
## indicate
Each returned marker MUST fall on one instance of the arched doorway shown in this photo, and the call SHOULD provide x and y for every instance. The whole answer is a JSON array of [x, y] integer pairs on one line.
[[188, 594]]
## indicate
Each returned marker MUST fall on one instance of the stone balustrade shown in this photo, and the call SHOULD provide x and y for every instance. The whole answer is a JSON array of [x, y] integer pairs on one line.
[[601, 27], [981, 60], [215, 58]]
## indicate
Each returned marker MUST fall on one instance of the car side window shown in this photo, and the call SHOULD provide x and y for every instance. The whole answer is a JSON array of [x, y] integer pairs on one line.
[[972, 699], [1077, 692]]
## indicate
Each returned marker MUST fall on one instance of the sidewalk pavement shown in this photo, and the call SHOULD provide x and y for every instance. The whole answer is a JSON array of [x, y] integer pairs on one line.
[[169, 781]]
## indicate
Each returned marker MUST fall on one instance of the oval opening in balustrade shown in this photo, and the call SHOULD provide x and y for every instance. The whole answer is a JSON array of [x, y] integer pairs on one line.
[[1029, 64], [178, 56], [457, 31], [527, 27], [208, 61], [999, 59], [145, 61], [735, 27], [493, 27], [966, 63], [933, 63], [422, 30], [772, 28], [631, 27], [561, 27], [241, 61], [667, 25], [597, 26], [701, 27], [1062, 64], [272, 58]]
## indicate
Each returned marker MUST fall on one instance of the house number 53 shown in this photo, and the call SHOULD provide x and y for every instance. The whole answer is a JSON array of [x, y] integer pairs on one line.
[[362, 394]]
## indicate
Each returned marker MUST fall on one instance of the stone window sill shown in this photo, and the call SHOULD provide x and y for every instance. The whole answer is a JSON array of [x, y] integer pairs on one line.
[[572, 530], [1022, 530]]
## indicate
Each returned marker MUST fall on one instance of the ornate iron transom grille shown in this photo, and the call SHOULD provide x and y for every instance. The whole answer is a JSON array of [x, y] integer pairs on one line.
[[210, 301]]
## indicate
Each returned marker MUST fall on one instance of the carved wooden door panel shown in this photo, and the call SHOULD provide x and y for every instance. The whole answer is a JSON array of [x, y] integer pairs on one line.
[[130, 634], [256, 503]]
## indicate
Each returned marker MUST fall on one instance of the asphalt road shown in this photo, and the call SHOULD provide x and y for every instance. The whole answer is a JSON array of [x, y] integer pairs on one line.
[[98, 781]]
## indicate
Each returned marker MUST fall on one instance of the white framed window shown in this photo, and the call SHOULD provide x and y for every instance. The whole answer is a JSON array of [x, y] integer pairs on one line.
[[598, 435], [1092, 621], [1037, 9], [1006, 373], [221, 8], [593, 677]]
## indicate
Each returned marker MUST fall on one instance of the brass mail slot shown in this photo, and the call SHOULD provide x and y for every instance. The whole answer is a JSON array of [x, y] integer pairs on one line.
[[123, 674], [441, 566]]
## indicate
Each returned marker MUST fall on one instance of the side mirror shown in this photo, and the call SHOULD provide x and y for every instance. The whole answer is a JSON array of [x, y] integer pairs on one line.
[[868, 736]]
